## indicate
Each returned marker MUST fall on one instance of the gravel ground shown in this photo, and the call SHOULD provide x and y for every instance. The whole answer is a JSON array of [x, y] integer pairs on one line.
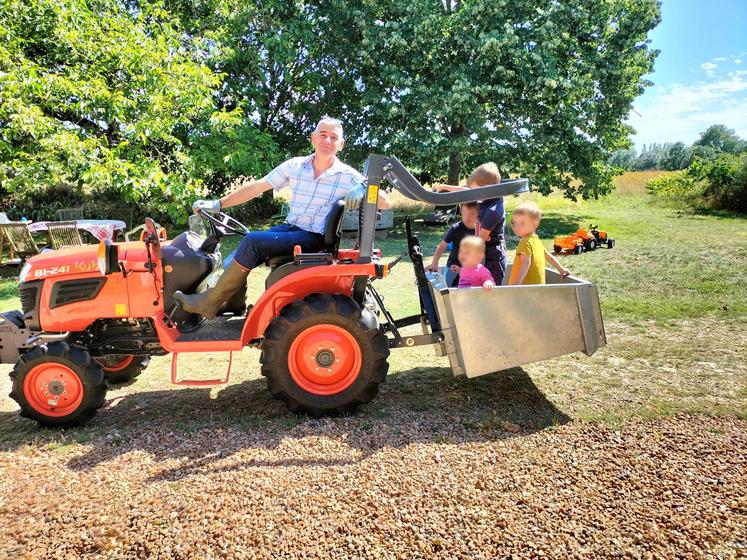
[[341, 488]]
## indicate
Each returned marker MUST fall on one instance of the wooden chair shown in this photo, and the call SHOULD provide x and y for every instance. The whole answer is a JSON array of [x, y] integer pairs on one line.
[[64, 234], [66, 214], [19, 238], [122, 213]]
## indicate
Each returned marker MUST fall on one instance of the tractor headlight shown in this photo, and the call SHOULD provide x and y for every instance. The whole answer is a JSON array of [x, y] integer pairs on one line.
[[24, 272]]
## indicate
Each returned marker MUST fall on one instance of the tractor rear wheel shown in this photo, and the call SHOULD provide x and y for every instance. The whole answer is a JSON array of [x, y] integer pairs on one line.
[[120, 368], [58, 385], [591, 244], [324, 354]]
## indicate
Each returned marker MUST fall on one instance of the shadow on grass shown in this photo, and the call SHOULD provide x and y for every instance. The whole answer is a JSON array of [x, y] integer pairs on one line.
[[419, 406]]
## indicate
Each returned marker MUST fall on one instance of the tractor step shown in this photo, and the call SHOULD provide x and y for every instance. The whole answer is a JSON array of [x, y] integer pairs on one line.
[[220, 328], [199, 382]]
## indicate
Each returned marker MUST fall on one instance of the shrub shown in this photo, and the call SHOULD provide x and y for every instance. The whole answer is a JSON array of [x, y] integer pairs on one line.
[[719, 183]]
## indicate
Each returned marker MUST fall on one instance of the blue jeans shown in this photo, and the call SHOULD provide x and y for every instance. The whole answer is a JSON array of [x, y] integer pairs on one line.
[[275, 242], [495, 262]]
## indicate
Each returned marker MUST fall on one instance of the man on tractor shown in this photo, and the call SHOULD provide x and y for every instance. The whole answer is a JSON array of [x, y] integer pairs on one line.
[[316, 181]]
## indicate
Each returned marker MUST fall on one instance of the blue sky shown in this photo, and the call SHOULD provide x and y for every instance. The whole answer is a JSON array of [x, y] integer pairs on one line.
[[700, 75]]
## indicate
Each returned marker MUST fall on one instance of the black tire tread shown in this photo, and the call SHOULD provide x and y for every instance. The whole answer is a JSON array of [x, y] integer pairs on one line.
[[129, 373], [78, 359], [274, 358]]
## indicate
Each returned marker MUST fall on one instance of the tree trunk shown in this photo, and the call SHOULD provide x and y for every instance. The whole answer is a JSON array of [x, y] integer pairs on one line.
[[455, 167]]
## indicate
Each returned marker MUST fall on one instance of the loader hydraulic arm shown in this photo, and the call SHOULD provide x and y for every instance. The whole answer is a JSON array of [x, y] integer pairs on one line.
[[379, 167], [404, 182]]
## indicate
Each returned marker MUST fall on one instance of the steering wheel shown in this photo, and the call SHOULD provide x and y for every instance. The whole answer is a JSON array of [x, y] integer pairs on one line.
[[153, 238], [224, 223]]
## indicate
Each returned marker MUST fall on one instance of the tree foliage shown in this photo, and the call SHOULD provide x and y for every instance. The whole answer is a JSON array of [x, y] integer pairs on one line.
[[719, 138], [156, 101], [539, 86], [279, 63], [100, 98], [716, 183], [716, 140]]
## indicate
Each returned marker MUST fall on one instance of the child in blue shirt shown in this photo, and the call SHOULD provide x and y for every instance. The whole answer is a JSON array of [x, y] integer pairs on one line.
[[491, 218], [454, 236]]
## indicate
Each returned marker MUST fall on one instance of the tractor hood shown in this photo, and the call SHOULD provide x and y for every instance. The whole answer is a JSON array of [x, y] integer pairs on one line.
[[63, 262]]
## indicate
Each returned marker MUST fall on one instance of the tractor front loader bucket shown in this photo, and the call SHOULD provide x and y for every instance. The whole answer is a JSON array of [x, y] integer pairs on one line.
[[489, 331]]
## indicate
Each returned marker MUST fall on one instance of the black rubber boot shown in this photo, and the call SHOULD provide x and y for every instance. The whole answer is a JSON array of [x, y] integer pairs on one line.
[[208, 302]]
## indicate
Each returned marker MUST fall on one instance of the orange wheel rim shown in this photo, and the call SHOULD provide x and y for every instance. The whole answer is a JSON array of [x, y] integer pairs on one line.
[[110, 367], [324, 359], [53, 389]]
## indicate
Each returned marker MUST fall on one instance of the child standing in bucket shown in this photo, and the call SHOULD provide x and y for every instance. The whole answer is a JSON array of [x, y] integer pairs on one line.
[[491, 218], [454, 236], [531, 255]]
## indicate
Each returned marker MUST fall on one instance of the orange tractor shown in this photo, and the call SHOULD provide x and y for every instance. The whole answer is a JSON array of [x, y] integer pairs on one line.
[[583, 240], [94, 316]]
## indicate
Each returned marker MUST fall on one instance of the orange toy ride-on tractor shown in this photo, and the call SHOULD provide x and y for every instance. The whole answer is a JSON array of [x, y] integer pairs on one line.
[[583, 240], [95, 314]]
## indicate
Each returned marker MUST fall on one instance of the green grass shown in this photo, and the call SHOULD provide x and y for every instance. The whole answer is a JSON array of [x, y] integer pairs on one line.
[[667, 265]]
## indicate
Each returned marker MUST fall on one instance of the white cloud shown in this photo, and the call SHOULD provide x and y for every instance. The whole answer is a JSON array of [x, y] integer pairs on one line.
[[710, 68], [737, 61], [719, 59], [681, 112]]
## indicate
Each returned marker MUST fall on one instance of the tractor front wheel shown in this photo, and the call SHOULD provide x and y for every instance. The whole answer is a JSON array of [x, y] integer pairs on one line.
[[58, 385], [324, 354], [610, 243], [121, 368]]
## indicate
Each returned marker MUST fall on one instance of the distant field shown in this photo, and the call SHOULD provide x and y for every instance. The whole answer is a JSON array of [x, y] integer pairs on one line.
[[634, 182]]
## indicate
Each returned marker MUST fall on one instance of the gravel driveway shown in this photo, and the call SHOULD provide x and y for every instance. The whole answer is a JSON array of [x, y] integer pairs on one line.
[[343, 488]]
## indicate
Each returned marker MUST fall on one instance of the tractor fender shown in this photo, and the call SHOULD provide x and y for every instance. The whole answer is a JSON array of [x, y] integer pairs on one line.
[[330, 279]]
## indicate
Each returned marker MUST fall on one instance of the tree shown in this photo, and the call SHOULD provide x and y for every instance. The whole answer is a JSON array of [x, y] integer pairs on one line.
[[721, 139], [541, 87], [279, 63], [676, 156], [624, 159], [650, 157], [99, 96]]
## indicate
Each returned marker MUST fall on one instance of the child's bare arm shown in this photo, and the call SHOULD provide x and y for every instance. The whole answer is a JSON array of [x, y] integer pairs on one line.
[[553, 261], [448, 188], [524, 261], [433, 267]]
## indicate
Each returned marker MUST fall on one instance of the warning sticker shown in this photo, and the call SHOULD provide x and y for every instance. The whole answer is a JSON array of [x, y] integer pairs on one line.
[[120, 309], [373, 193]]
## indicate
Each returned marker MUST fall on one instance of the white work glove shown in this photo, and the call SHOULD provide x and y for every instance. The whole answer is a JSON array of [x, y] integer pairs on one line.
[[212, 206], [354, 197]]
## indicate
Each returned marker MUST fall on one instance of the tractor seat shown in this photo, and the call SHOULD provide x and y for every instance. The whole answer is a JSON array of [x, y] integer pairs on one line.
[[331, 235]]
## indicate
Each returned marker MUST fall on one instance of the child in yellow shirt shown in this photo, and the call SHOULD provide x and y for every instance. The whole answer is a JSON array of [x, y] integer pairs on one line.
[[529, 264]]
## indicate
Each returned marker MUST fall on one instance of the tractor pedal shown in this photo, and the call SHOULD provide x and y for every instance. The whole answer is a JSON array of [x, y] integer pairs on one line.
[[170, 317]]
